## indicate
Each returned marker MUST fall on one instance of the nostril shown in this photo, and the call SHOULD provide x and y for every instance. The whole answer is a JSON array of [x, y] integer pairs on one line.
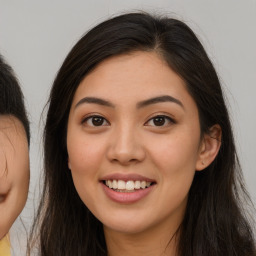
[[124, 160]]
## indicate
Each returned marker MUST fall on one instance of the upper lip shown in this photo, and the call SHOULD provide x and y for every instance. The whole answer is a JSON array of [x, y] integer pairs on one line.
[[126, 177]]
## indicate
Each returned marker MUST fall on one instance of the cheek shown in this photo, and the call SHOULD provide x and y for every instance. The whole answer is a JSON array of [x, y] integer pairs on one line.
[[15, 185], [21, 171], [84, 156], [85, 160], [175, 152], [175, 159]]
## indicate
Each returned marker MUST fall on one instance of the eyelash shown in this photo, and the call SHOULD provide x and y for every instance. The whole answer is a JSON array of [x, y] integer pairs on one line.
[[164, 118], [85, 120]]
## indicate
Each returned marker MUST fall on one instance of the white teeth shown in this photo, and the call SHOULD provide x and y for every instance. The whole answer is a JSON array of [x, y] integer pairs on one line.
[[121, 184], [137, 184], [114, 184], [143, 184], [127, 185], [109, 184]]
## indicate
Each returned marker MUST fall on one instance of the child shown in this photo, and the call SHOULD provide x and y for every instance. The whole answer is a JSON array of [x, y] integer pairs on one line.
[[14, 154]]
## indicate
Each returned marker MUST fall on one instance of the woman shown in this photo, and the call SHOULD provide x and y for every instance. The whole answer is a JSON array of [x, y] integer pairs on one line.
[[14, 164], [139, 151]]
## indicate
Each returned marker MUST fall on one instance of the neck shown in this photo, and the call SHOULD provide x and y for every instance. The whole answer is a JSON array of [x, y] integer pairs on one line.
[[160, 241]]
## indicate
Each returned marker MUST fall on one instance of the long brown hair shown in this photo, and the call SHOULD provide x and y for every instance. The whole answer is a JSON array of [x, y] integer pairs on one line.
[[214, 223]]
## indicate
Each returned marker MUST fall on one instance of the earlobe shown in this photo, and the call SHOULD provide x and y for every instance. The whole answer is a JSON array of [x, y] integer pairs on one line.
[[209, 148]]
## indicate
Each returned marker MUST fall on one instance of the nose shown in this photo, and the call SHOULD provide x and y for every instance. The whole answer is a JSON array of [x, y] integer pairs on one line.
[[126, 146]]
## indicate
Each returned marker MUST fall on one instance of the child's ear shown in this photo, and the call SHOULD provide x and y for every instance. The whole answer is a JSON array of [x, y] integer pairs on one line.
[[209, 147]]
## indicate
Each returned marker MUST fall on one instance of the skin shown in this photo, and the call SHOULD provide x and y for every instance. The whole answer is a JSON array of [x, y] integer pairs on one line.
[[14, 171], [129, 142]]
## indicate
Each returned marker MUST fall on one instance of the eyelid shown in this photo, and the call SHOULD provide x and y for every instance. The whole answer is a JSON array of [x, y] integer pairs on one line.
[[92, 114], [170, 119], [87, 117], [166, 116]]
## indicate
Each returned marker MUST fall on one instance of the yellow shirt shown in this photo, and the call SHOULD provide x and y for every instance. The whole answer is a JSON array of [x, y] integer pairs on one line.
[[5, 246]]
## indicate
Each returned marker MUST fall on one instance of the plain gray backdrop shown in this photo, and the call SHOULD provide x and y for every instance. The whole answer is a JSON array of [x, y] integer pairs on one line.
[[35, 37]]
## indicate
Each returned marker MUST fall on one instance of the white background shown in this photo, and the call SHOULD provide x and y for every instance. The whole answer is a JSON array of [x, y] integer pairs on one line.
[[35, 37]]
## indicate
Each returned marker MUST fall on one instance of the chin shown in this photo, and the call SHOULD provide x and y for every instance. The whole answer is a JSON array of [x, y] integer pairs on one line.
[[127, 228], [128, 224]]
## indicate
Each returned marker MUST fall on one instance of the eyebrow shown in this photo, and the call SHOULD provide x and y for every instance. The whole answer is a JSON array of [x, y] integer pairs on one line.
[[94, 100], [144, 103], [159, 99]]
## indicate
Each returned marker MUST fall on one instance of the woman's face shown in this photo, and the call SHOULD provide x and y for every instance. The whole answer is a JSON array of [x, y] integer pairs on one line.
[[14, 171], [133, 143]]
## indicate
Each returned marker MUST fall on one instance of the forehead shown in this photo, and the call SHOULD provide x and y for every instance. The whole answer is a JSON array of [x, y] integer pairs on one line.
[[7, 129], [10, 124], [12, 132], [132, 77], [13, 142]]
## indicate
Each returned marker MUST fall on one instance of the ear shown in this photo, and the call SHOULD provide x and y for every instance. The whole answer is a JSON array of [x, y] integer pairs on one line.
[[209, 147]]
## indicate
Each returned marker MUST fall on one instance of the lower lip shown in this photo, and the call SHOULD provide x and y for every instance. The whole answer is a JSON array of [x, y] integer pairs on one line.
[[126, 197]]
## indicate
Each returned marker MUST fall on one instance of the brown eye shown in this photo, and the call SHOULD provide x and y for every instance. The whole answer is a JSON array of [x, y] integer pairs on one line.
[[160, 121], [95, 121]]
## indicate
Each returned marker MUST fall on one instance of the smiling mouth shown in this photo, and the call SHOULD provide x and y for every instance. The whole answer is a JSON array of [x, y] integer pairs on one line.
[[127, 186]]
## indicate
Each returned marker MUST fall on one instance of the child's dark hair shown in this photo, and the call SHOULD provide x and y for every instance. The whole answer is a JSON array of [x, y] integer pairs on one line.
[[11, 97]]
